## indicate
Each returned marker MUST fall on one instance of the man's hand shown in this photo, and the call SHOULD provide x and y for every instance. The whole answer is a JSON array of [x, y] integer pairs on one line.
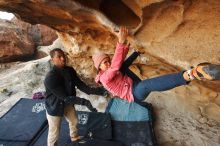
[[122, 35], [80, 101], [70, 100], [101, 91], [88, 104]]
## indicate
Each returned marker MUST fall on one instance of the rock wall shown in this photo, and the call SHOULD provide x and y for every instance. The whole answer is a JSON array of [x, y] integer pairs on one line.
[[19, 40], [15, 43], [40, 34], [183, 33], [175, 35]]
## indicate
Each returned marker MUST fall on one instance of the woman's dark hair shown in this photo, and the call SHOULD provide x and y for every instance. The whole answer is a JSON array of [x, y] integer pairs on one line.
[[52, 52]]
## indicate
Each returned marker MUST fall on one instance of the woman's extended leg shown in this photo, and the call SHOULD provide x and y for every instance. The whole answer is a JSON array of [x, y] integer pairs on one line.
[[202, 72], [162, 83]]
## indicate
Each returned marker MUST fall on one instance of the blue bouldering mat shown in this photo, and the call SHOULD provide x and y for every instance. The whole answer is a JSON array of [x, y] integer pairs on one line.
[[90, 125], [23, 122], [132, 123]]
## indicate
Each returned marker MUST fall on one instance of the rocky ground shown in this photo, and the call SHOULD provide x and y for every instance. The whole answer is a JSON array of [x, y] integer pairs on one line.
[[174, 34]]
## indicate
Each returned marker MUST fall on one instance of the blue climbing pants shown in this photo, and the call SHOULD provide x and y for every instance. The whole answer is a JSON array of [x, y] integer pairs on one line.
[[143, 88]]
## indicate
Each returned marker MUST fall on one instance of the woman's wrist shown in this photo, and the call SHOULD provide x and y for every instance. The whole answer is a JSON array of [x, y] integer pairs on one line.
[[122, 42]]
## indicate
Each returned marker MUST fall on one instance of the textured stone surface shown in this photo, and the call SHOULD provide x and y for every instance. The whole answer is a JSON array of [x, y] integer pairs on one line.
[[19, 40], [40, 34], [15, 43], [175, 35]]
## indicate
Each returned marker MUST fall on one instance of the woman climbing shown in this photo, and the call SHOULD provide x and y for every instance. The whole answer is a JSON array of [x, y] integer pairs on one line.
[[111, 76]]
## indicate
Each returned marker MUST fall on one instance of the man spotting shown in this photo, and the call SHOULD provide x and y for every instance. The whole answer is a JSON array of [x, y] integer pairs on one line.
[[60, 83]]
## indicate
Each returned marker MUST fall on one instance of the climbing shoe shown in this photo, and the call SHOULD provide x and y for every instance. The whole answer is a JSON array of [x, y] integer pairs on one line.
[[206, 71]]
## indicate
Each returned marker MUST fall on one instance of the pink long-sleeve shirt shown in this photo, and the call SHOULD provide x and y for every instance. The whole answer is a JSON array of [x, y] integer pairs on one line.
[[113, 80]]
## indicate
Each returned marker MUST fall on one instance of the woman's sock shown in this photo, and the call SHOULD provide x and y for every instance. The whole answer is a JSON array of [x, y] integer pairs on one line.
[[190, 75]]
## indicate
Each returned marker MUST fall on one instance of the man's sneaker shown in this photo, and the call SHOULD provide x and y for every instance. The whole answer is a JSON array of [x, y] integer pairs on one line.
[[207, 72], [75, 138]]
